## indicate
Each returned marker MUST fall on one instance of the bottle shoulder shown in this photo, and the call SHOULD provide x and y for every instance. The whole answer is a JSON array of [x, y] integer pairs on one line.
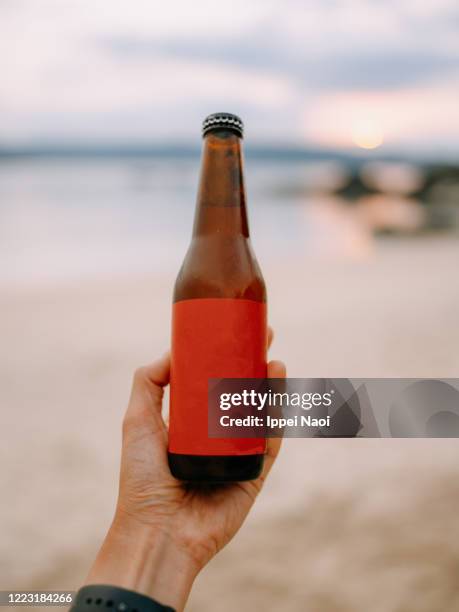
[[219, 266]]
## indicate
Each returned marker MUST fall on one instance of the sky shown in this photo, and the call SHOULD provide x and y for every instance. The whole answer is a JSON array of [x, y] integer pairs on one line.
[[331, 73]]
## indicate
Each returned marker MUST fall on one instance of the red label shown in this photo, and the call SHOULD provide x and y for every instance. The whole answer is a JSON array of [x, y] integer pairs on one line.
[[212, 338]]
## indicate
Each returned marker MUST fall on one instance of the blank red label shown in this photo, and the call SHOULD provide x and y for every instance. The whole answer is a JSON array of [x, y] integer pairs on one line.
[[212, 338]]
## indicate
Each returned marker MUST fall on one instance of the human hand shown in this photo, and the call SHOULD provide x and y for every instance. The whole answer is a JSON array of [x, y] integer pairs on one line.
[[164, 531]]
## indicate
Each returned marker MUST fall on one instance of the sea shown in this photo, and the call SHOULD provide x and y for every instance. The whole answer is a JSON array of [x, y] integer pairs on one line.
[[71, 219]]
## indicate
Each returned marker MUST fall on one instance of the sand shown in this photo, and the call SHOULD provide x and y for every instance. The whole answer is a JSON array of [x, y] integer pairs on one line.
[[343, 525]]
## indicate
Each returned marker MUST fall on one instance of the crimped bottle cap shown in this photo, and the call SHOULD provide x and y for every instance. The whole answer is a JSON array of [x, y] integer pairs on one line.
[[227, 121]]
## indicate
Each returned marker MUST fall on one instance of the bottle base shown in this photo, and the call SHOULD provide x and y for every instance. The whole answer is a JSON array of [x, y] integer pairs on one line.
[[215, 469]]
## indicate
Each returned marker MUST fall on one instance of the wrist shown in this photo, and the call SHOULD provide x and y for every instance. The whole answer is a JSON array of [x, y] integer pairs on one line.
[[145, 559]]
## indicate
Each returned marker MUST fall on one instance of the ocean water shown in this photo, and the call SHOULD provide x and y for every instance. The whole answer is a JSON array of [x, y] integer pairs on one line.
[[66, 220]]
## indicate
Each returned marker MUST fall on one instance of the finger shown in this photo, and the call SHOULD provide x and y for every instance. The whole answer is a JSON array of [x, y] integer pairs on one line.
[[145, 404], [276, 369], [270, 336], [157, 372], [151, 379]]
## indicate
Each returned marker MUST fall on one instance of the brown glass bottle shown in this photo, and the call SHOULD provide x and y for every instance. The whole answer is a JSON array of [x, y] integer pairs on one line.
[[219, 315]]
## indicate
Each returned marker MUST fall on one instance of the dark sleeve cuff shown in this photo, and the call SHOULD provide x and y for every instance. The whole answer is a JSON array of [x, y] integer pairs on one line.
[[106, 598]]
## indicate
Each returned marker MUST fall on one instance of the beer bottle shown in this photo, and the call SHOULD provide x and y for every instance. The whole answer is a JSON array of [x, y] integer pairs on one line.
[[219, 315]]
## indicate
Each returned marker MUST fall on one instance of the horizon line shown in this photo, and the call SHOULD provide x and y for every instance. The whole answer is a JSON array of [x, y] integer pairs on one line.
[[287, 151]]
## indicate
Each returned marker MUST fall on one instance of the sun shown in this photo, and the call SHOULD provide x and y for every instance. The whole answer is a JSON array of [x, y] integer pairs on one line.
[[367, 134]]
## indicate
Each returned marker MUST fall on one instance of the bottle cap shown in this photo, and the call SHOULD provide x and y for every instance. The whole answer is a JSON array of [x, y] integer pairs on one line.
[[227, 121]]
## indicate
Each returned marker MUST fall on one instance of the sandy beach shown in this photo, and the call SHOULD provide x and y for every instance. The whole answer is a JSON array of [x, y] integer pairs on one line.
[[342, 526]]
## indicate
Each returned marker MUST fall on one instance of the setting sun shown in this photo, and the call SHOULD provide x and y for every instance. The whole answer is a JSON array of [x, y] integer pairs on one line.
[[367, 134]]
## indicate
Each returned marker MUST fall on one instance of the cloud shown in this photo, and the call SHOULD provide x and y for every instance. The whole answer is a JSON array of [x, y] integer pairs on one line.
[[360, 66], [330, 45], [148, 69]]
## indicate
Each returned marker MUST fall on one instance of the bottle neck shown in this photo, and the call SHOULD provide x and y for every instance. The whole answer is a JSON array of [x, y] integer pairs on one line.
[[221, 197]]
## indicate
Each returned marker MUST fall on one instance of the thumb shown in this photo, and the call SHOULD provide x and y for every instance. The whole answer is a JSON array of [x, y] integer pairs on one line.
[[276, 369], [143, 414]]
